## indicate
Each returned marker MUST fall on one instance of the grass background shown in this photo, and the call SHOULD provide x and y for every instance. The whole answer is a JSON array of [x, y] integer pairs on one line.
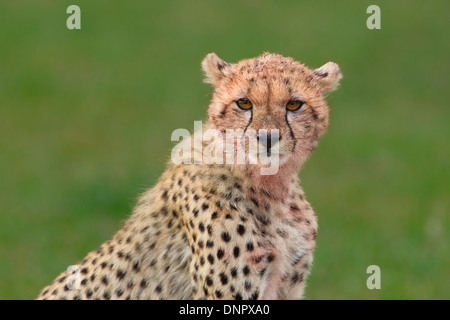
[[86, 118]]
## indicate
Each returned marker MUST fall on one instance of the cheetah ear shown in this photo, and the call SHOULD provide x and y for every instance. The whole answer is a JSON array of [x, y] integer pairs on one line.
[[214, 68], [328, 76]]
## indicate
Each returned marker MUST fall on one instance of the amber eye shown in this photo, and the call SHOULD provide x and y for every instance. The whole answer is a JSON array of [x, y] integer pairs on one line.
[[294, 105], [244, 104]]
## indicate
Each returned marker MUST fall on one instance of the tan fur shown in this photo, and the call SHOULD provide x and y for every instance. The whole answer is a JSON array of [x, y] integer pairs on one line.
[[223, 231]]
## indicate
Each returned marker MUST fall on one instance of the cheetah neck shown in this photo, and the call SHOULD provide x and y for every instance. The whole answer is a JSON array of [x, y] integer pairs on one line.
[[274, 187]]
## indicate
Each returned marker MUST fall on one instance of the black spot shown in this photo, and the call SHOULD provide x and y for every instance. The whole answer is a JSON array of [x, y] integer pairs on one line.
[[238, 296], [137, 246], [210, 259], [262, 272], [201, 227], [227, 195], [254, 295], [236, 252], [221, 65], [320, 74], [214, 215], [241, 229], [106, 295], [105, 280], [223, 278], [246, 270], [264, 220], [209, 244], [255, 202], [84, 271], [226, 237], [209, 281], [220, 254], [257, 259], [250, 246], [89, 293], [120, 274], [219, 294], [143, 283], [247, 285], [297, 260], [205, 206], [136, 266], [234, 272], [158, 289]]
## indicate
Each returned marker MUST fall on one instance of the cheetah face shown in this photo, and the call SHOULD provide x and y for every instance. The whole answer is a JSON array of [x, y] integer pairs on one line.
[[274, 99]]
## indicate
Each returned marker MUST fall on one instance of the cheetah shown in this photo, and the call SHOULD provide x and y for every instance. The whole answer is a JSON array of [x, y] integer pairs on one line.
[[223, 231]]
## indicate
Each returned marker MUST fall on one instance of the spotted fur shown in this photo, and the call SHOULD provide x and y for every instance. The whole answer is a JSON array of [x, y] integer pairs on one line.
[[222, 231]]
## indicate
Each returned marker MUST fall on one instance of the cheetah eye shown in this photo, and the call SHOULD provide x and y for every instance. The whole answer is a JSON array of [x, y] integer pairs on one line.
[[294, 105], [244, 104]]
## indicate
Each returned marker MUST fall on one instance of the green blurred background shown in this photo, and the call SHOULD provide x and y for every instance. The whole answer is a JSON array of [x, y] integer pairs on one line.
[[86, 118]]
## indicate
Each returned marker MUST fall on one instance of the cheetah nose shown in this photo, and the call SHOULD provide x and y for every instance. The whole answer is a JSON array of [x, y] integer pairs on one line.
[[268, 140]]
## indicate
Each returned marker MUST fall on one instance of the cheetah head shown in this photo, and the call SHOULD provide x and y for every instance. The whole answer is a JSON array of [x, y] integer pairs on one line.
[[272, 92]]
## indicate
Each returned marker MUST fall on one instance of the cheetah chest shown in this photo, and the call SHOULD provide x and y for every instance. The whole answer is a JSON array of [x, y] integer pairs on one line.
[[287, 242]]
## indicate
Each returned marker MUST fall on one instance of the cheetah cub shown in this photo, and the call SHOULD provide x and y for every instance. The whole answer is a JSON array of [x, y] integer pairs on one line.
[[223, 231]]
